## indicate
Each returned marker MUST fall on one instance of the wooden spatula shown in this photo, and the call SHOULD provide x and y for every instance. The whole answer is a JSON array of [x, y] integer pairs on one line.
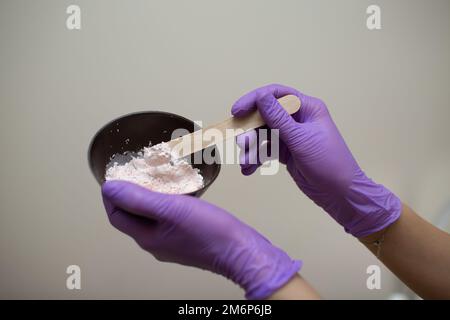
[[193, 142]]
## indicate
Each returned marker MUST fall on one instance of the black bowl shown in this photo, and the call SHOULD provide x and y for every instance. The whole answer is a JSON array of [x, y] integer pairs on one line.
[[135, 131]]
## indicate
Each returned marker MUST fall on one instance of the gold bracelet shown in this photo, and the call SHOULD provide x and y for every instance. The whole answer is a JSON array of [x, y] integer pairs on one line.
[[378, 242]]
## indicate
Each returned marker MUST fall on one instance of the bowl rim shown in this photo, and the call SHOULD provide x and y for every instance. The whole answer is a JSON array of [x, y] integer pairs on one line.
[[196, 127]]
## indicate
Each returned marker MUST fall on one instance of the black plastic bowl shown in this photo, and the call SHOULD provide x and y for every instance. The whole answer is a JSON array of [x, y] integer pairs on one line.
[[134, 131]]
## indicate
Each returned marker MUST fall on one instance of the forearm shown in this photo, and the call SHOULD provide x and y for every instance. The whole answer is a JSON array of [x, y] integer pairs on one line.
[[417, 252], [295, 289]]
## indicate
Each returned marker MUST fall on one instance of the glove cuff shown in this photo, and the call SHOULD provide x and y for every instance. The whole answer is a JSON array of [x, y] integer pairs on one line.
[[275, 280], [373, 207]]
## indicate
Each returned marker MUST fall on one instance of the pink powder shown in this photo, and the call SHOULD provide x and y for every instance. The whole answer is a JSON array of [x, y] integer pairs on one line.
[[157, 169]]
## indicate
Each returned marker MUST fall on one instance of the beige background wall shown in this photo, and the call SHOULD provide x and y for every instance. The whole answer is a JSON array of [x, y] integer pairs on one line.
[[387, 90]]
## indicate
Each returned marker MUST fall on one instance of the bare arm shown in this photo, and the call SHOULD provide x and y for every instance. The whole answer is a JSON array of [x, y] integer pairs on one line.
[[296, 289], [417, 252], [413, 249]]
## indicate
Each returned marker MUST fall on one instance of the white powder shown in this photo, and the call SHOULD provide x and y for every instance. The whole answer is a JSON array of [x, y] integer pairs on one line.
[[157, 169]]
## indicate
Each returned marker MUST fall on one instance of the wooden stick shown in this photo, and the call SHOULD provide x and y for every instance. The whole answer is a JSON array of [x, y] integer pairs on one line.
[[203, 138]]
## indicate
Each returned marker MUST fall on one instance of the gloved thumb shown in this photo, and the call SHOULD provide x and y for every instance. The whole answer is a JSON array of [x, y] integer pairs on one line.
[[138, 200]]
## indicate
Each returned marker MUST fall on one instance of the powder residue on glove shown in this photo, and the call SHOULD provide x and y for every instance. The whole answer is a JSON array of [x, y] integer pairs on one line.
[[158, 169]]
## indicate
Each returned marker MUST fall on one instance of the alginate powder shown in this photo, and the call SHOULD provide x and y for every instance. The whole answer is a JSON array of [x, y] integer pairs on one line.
[[157, 169]]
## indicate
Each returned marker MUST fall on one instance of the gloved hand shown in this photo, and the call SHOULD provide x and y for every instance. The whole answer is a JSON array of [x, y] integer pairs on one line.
[[192, 232], [319, 161]]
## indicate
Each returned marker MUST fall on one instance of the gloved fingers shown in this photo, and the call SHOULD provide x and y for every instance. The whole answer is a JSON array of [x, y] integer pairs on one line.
[[248, 145], [247, 103], [248, 156], [311, 107], [137, 200], [249, 139], [253, 152], [248, 170]]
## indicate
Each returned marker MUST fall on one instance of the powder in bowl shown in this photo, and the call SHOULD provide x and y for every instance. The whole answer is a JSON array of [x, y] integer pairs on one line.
[[158, 169]]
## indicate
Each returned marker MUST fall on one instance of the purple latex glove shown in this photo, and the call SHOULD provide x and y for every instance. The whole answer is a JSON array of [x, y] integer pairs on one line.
[[319, 161], [193, 232]]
